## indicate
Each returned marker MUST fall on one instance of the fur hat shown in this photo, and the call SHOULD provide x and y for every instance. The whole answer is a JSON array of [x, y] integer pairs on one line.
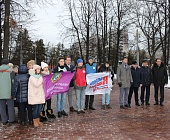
[[36, 67], [43, 65], [31, 62]]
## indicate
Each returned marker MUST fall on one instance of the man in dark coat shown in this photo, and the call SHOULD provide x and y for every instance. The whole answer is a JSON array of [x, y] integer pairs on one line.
[[136, 76], [146, 80], [160, 78], [71, 68]]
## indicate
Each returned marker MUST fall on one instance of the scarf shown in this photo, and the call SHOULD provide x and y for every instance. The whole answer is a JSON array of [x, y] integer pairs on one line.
[[36, 75]]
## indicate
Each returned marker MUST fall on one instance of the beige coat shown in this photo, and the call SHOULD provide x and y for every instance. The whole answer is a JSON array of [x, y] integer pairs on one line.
[[36, 93]]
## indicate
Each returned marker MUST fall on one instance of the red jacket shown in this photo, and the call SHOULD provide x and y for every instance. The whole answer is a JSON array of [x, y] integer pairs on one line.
[[80, 77]]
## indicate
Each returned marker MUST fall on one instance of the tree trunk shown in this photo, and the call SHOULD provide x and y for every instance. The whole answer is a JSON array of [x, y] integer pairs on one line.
[[1, 31], [6, 29], [88, 32]]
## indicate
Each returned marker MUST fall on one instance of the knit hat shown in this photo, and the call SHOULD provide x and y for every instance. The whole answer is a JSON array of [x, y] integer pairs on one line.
[[134, 63], [5, 61], [144, 61], [90, 58], [43, 65], [31, 62], [36, 67], [79, 61]]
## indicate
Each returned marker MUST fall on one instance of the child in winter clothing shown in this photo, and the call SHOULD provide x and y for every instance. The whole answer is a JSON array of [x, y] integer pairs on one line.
[[61, 97], [49, 111], [20, 92], [106, 96], [80, 85], [36, 96]]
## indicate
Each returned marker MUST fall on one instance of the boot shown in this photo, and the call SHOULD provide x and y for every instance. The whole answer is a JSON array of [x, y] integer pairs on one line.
[[35, 123], [50, 114], [64, 113], [72, 109], [39, 123], [59, 114], [43, 118], [103, 107], [108, 106]]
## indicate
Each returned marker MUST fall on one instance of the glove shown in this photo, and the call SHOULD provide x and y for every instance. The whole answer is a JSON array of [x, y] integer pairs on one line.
[[120, 84]]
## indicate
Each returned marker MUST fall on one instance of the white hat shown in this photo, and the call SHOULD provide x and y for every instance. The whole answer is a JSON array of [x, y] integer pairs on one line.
[[36, 67], [10, 65], [43, 65]]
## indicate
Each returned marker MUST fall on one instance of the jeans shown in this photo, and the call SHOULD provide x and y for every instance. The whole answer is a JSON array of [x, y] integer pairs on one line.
[[143, 93], [11, 112], [22, 107], [106, 98], [61, 101], [123, 91], [80, 99], [135, 90], [36, 111], [70, 93], [161, 93]]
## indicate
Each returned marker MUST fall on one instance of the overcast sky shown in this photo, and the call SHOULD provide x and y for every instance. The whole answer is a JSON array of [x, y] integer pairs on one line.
[[48, 22]]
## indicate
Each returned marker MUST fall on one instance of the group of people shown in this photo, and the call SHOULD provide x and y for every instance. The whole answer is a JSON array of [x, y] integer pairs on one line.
[[25, 87], [130, 78]]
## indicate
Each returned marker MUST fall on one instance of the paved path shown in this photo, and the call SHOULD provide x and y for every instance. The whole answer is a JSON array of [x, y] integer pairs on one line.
[[137, 123]]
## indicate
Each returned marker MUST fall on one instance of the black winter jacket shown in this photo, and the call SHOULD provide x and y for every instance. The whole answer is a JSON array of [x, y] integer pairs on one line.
[[72, 69], [103, 68], [146, 76], [160, 76], [20, 88], [136, 76]]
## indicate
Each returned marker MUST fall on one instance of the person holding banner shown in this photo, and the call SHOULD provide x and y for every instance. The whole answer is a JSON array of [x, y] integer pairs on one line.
[[106, 96], [71, 68], [90, 68], [36, 95], [49, 111], [124, 79], [61, 97], [80, 85]]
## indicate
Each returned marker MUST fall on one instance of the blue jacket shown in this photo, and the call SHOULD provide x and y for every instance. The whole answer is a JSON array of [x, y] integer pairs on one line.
[[20, 88], [136, 76], [146, 76], [91, 68]]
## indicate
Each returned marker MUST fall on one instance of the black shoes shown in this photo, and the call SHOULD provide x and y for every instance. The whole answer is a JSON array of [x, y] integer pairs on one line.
[[156, 103], [161, 104], [22, 123], [72, 109], [64, 113], [108, 106], [59, 114], [121, 107], [85, 108], [92, 108], [50, 114], [137, 104], [4, 123], [147, 103], [82, 111], [103, 107], [43, 118]]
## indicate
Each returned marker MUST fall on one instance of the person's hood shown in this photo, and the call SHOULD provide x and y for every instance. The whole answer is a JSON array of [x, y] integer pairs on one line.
[[156, 66], [5, 67], [22, 69]]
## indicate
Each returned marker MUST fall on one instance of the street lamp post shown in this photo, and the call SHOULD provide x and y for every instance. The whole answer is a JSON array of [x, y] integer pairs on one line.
[[35, 47]]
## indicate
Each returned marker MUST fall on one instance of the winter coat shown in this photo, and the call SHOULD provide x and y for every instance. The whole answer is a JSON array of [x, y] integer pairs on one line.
[[44, 73], [103, 68], [160, 76], [71, 68], [136, 76], [6, 82], [124, 76], [20, 87], [35, 91], [80, 78], [146, 76], [60, 69]]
